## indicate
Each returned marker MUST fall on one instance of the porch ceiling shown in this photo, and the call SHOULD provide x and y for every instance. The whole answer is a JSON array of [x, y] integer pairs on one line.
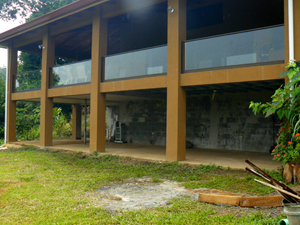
[[235, 87], [51, 19], [161, 94], [205, 89], [111, 99], [71, 26], [74, 44]]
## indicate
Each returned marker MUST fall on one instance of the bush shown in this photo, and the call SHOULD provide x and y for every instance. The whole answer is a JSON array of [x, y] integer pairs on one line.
[[286, 104], [28, 127], [62, 128]]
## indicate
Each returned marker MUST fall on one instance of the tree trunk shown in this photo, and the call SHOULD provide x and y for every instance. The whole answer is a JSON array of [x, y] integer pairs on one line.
[[288, 173]]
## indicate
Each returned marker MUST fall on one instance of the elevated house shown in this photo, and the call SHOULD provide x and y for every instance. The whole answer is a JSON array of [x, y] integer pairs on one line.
[[171, 71]]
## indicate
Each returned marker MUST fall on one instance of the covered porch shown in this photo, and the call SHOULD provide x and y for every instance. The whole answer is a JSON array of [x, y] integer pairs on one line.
[[161, 87], [195, 156]]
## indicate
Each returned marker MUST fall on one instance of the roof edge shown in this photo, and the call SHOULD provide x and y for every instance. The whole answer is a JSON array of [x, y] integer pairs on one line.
[[47, 18]]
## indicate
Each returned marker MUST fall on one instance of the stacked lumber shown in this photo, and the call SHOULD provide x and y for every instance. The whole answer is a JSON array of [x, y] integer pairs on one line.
[[286, 192]]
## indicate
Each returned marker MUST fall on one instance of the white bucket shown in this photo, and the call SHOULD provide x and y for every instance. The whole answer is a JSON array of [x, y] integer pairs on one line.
[[292, 210]]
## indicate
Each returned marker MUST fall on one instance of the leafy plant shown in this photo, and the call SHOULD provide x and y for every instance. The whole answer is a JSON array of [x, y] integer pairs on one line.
[[285, 100], [61, 125], [28, 118], [286, 104], [28, 127]]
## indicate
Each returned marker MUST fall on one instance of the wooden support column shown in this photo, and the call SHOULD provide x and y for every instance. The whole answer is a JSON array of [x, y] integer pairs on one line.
[[11, 105], [176, 95], [286, 33], [98, 100], [296, 32], [286, 37], [76, 122], [297, 29], [46, 119]]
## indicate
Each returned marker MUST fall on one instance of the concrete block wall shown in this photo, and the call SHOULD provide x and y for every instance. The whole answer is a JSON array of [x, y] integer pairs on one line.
[[225, 121], [145, 121], [229, 122]]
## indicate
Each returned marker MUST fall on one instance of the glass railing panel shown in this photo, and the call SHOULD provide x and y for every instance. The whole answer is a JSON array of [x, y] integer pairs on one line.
[[27, 81], [258, 46], [145, 62], [71, 74]]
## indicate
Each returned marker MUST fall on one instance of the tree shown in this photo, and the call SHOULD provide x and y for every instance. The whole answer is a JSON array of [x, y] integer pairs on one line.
[[3, 72], [9, 9]]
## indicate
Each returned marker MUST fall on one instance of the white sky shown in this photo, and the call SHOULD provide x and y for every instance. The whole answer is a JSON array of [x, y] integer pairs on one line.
[[4, 26]]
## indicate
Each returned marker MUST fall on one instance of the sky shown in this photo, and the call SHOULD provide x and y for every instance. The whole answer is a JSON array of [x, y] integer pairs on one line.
[[4, 26]]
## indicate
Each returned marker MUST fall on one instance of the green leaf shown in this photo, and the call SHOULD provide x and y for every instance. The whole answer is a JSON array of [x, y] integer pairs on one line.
[[269, 112], [283, 74], [265, 111], [291, 64], [291, 74], [280, 113]]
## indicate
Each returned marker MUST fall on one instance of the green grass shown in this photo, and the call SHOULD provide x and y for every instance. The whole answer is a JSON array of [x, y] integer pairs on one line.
[[47, 187], [1, 142]]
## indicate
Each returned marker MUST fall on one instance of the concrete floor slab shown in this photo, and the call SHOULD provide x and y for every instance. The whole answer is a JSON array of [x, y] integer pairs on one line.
[[224, 158]]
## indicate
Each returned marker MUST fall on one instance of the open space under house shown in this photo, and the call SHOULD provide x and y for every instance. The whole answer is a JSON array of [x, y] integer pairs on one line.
[[168, 71]]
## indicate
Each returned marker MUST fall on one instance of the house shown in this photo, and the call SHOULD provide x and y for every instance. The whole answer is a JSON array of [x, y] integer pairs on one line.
[[172, 71]]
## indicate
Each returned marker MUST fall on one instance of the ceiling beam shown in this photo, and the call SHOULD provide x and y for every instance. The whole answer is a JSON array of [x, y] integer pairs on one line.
[[73, 23], [51, 17], [83, 38], [59, 27], [29, 38]]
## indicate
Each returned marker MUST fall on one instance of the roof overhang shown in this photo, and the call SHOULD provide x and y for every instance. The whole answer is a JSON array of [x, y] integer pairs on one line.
[[48, 18]]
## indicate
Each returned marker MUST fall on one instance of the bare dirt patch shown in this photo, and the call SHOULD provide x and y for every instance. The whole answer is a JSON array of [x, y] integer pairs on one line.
[[135, 194]]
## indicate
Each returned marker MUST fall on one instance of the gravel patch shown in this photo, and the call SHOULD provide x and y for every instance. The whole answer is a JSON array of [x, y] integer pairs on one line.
[[136, 194]]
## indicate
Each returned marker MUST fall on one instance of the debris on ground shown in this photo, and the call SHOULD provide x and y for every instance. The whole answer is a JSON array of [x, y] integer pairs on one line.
[[287, 193], [2, 147]]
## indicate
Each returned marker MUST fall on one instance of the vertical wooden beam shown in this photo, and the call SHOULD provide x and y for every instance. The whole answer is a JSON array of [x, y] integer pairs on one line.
[[286, 36], [296, 32], [46, 103], [76, 122], [176, 95], [297, 29], [11, 105], [98, 100], [286, 31]]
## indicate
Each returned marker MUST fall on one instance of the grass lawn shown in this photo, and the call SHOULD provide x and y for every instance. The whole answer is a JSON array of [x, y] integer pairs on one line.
[[47, 187]]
